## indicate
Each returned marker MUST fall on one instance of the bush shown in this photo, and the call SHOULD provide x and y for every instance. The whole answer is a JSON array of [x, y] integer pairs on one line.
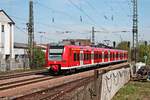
[[39, 57]]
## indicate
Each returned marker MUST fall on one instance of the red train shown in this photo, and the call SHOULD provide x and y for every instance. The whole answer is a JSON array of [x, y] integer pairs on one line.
[[61, 58]]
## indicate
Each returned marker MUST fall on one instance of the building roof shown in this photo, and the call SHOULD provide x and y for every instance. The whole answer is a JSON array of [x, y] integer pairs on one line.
[[76, 40], [25, 46], [20, 45], [7, 16]]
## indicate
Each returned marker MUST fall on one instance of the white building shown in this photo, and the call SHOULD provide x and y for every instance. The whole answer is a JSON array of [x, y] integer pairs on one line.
[[6, 36]]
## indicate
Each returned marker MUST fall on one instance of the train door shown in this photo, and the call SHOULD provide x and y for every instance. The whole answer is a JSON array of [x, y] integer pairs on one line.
[[109, 56], [92, 56], [102, 55], [122, 55], [81, 57], [118, 55], [114, 55]]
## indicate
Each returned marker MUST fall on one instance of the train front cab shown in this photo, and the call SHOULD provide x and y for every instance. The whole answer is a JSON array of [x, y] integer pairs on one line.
[[56, 58]]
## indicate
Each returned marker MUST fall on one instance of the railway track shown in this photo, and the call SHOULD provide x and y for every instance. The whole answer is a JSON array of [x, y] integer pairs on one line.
[[18, 83], [3, 77], [55, 92], [43, 87], [25, 78]]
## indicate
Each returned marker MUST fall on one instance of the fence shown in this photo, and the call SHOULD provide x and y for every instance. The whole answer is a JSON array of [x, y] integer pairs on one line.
[[14, 64]]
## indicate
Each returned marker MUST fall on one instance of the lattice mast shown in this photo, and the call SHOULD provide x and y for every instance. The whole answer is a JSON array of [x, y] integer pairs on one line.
[[135, 30], [30, 26]]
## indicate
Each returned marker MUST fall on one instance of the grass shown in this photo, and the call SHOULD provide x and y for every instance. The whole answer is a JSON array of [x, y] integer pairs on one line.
[[134, 90]]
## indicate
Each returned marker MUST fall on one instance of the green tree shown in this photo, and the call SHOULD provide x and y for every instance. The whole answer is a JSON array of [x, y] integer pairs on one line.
[[39, 57], [123, 45], [144, 50]]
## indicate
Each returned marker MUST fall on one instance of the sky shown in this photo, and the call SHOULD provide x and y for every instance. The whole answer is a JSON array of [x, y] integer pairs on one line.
[[55, 20]]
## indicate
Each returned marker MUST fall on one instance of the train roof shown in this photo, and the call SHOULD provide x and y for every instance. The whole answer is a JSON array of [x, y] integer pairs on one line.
[[85, 47]]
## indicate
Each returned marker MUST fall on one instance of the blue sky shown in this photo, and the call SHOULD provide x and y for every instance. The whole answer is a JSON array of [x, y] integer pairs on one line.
[[108, 16]]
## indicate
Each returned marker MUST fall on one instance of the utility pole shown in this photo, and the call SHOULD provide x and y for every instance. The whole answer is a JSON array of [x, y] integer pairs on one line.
[[135, 31], [93, 36], [30, 26]]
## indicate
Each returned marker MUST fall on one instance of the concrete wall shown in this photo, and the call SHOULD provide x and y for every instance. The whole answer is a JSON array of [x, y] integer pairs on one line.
[[104, 87], [113, 81]]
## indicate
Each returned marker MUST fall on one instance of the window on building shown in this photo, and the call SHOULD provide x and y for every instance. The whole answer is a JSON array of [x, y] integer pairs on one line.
[[7, 57], [2, 28]]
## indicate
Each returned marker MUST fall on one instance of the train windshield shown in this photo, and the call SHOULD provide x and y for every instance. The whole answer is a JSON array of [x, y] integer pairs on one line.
[[55, 53]]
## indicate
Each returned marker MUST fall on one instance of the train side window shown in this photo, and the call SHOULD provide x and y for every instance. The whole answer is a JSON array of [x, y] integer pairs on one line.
[[87, 56], [97, 56], [90, 56], [116, 55], [106, 55], [110, 55], [100, 56], [113, 55], [75, 56], [78, 56], [84, 56]]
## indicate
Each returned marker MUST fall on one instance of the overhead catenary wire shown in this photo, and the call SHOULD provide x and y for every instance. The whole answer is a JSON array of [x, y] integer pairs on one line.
[[53, 10], [61, 27], [53, 18], [89, 17], [115, 12], [21, 29], [92, 7]]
